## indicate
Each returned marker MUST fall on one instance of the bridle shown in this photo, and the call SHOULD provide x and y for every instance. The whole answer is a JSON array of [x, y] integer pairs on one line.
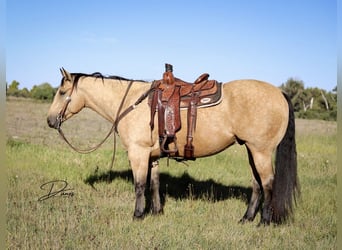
[[61, 113], [61, 116]]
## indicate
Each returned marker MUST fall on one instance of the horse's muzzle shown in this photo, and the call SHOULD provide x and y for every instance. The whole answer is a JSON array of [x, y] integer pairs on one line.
[[53, 122]]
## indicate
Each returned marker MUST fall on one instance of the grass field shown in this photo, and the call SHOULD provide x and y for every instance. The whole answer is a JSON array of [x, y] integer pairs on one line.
[[203, 201]]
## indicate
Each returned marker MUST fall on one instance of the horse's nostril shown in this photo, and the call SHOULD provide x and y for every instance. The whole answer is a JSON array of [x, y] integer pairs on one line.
[[48, 121], [51, 122]]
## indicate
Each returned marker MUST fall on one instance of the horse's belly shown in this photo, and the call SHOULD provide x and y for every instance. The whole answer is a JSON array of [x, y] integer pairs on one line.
[[211, 135]]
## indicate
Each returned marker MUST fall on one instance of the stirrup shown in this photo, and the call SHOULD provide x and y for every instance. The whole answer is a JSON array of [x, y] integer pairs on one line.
[[168, 151]]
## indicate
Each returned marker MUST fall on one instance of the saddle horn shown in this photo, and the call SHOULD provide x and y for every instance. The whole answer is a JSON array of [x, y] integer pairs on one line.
[[168, 75], [168, 67]]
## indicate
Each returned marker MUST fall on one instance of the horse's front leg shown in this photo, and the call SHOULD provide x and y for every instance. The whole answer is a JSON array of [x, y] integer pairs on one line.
[[139, 161], [154, 187]]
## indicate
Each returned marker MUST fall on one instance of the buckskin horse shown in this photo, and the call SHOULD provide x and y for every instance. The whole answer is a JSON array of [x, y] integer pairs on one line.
[[253, 113]]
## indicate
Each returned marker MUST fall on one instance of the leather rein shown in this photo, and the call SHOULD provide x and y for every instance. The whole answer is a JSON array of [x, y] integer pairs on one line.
[[119, 116]]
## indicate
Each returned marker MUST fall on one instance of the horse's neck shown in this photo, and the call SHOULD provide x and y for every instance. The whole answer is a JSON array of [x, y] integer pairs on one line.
[[105, 97]]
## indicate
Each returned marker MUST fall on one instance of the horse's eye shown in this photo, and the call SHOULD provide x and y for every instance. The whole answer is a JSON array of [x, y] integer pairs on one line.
[[61, 92]]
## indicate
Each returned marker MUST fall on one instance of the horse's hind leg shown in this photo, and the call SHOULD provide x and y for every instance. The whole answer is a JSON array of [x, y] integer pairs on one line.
[[154, 187], [263, 173], [256, 194]]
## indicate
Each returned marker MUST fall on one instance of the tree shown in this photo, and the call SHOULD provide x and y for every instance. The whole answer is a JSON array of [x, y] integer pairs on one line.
[[24, 93], [311, 103], [13, 88], [43, 91], [294, 89]]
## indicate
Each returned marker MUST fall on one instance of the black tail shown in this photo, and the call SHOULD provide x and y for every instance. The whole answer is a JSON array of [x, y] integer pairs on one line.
[[285, 184]]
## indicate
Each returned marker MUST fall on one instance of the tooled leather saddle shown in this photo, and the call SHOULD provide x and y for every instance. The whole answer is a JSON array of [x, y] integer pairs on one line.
[[169, 96]]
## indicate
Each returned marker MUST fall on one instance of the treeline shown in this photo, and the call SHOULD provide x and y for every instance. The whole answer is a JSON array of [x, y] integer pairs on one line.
[[44, 91], [309, 103]]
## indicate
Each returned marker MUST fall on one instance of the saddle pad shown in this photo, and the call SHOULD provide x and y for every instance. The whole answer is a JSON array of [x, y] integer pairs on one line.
[[205, 100], [211, 99]]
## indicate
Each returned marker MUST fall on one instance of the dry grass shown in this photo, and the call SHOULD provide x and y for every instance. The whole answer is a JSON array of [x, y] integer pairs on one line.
[[203, 201], [26, 121]]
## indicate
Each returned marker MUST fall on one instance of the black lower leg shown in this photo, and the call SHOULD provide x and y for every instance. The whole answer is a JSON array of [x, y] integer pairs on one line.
[[140, 200], [267, 211], [253, 203]]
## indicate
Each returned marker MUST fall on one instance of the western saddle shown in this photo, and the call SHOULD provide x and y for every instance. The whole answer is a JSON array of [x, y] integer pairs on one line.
[[169, 96]]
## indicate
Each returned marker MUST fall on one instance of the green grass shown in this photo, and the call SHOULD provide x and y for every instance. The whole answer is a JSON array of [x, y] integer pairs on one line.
[[203, 201]]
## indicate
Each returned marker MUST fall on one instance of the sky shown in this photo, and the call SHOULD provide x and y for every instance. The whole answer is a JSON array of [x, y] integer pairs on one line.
[[229, 39]]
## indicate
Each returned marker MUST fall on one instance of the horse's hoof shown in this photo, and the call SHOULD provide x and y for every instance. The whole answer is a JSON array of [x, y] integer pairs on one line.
[[138, 216], [242, 221], [264, 223], [158, 212], [135, 218], [245, 219]]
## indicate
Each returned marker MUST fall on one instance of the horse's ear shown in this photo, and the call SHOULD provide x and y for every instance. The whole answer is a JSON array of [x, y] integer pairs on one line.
[[65, 74]]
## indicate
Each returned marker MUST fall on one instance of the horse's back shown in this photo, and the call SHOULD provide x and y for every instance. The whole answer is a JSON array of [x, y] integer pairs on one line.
[[258, 110]]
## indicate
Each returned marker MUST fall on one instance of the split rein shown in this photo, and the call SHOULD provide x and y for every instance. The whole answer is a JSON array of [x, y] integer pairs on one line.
[[119, 116]]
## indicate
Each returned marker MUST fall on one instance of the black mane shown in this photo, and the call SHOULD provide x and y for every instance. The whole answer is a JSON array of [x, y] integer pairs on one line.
[[96, 75]]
